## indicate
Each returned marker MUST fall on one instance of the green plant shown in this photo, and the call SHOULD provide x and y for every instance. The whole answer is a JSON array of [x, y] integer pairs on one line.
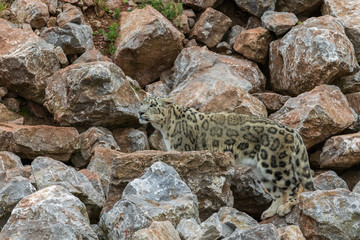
[[111, 36], [126, 1], [117, 14], [3, 5], [170, 9]]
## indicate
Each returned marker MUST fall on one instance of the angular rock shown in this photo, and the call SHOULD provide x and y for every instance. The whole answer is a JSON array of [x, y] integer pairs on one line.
[[329, 180], [249, 194], [61, 56], [240, 220], [34, 12], [356, 189], [162, 194], [148, 45], [272, 101], [156, 141], [10, 194], [233, 34], [210, 27], [331, 214], [157, 231], [158, 88], [316, 115], [92, 55], [349, 84], [291, 232], [313, 53], [188, 228], [351, 177], [348, 12], [9, 160], [24, 54], [256, 7], [253, 22], [202, 5], [123, 220], [6, 115], [52, 6], [131, 140], [297, 7], [32, 141], [211, 228], [342, 151], [92, 94], [354, 101], [262, 231], [94, 180], [237, 101], [254, 44], [278, 22], [200, 75], [49, 172], [71, 37], [70, 14], [53, 212], [206, 173]]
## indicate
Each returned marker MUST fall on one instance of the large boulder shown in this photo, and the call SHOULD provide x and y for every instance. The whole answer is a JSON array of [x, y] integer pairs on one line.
[[34, 12], [30, 142], [297, 7], [93, 94], [313, 53], [24, 54], [148, 44], [317, 115], [200, 75]]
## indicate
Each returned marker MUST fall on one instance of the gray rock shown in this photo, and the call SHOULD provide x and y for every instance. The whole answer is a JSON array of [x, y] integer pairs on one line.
[[158, 88], [234, 33], [262, 231], [70, 14], [52, 213], [92, 55], [157, 231], [123, 220], [93, 94], [236, 219], [35, 60], [256, 7], [71, 37], [162, 195], [188, 228], [131, 140], [211, 228], [278, 22], [329, 180], [34, 12], [49, 172], [356, 188]]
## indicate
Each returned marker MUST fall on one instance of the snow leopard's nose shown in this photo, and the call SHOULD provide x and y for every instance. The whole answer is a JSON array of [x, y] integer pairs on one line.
[[141, 113]]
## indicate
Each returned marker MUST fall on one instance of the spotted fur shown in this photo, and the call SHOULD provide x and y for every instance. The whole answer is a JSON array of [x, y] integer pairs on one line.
[[276, 152]]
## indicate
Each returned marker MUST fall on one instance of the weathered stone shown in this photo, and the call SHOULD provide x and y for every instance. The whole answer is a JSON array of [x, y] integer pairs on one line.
[[94, 180], [200, 75], [131, 140], [234, 33], [296, 6], [206, 173], [278, 22], [356, 189], [61, 56], [34, 12], [237, 101], [272, 101], [6, 115], [144, 60], [223, 47], [70, 14], [256, 7], [210, 27], [291, 232], [351, 177], [53, 213], [348, 12], [211, 228], [123, 220], [9, 160], [329, 180], [262, 231], [342, 151], [188, 228], [49, 172], [156, 141], [354, 101], [240, 220], [158, 88], [313, 53], [316, 115], [24, 54], [92, 94], [157, 231], [253, 22], [3, 92], [254, 44], [202, 4], [10, 194], [52, 6], [32, 141], [91, 55], [331, 214], [78, 37], [249, 194]]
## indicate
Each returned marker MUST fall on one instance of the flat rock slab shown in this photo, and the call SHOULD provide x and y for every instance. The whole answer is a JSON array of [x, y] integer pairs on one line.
[[256, 7], [278, 22], [32, 141], [296, 6]]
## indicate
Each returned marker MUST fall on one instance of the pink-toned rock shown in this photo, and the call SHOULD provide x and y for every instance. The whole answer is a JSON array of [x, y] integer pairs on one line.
[[296, 6], [354, 101], [198, 168], [6, 115], [61, 56], [131, 140], [351, 177], [316, 115], [342, 151], [158, 88], [23, 53], [34, 12], [272, 101], [52, 6], [256, 7], [210, 27], [94, 179], [157, 231], [148, 44], [9, 160], [237, 101], [278, 22], [291, 232], [329, 180], [200, 75], [202, 4], [156, 141], [349, 84], [71, 14], [348, 12], [254, 44], [313, 53], [92, 55], [331, 214], [32, 141]]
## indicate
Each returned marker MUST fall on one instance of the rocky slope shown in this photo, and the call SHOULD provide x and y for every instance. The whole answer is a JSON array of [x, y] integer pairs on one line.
[[76, 164]]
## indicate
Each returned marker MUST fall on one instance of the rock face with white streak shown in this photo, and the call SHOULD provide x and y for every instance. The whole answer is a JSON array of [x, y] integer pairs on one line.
[[313, 53]]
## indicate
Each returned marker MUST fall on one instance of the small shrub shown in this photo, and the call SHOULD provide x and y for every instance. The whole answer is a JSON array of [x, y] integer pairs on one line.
[[111, 36], [3, 5], [170, 10]]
